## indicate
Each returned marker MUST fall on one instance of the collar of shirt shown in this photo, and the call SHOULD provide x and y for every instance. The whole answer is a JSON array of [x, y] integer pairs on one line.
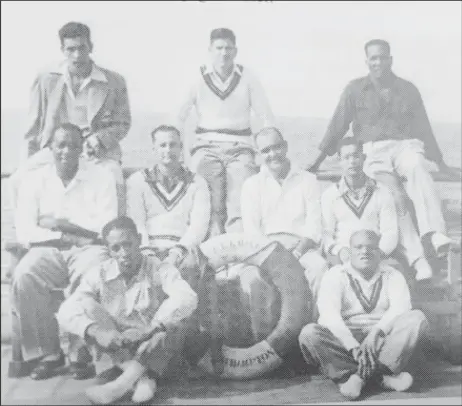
[[211, 71], [360, 278], [343, 187], [96, 74], [80, 176], [294, 172], [369, 82], [113, 271], [154, 175]]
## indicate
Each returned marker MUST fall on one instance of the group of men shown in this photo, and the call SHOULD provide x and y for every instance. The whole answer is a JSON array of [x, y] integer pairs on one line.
[[126, 252]]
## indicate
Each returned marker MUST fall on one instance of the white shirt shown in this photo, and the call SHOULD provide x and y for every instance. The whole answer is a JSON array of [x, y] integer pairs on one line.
[[292, 207], [375, 210], [240, 94], [89, 201], [341, 311], [76, 105]]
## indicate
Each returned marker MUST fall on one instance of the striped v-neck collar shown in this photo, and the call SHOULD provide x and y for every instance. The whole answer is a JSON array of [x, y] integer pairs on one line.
[[169, 198], [222, 94], [368, 304], [357, 205]]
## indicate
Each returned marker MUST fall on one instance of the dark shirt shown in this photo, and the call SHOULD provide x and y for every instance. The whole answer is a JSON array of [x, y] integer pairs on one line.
[[397, 114]]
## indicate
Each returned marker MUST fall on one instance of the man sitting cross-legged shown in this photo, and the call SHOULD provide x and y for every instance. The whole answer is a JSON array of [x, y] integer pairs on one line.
[[283, 203], [61, 210], [134, 308], [366, 328], [357, 203]]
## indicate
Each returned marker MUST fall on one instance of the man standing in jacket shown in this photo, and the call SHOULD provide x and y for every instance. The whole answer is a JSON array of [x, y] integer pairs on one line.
[[81, 93]]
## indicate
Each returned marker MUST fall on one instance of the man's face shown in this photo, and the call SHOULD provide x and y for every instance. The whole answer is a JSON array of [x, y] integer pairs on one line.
[[378, 60], [77, 52], [273, 150], [351, 160], [222, 52], [124, 247], [365, 254], [66, 147], [167, 147]]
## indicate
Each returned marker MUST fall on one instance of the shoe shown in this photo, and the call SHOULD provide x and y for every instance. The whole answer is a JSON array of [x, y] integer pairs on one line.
[[82, 370], [423, 269], [109, 375], [352, 388], [145, 390], [400, 382], [46, 369]]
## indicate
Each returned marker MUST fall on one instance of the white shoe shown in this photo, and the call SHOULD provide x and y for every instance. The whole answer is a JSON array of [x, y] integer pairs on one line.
[[145, 390], [352, 388], [400, 382], [423, 269], [441, 244]]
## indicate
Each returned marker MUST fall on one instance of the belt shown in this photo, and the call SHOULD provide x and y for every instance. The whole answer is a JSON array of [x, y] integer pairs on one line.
[[245, 131]]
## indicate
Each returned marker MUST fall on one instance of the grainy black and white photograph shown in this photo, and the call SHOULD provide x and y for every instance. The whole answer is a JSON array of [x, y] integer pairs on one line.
[[250, 202]]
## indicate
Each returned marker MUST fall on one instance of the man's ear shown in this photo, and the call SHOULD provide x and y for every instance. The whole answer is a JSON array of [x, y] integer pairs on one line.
[[90, 44]]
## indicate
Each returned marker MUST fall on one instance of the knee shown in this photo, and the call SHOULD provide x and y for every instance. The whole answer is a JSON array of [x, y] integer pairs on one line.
[[417, 319], [310, 335], [210, 170]]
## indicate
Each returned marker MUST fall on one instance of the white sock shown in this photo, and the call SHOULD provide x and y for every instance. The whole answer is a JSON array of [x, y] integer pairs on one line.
[[352, 388], [145, 390], [399, 382]]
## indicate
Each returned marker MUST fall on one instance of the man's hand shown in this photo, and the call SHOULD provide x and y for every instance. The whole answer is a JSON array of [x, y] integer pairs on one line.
[[303, 246], [344, 255], [152, 343], [371, 342], [369, 352], [92, 146], [175, 256], [109, 339], [50, 222], [132, 337]]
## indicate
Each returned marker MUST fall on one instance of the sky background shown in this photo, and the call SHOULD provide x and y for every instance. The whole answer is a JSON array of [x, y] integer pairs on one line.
[[303, 52]]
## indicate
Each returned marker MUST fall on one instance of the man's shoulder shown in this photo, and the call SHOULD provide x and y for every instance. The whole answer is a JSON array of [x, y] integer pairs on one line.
[[358, 83], [254, 180]]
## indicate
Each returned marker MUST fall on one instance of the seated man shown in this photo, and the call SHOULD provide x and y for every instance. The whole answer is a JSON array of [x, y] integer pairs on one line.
[[133, 307], [61, 211], [283, 203], [366, 327], [170, 205], [357, 203]]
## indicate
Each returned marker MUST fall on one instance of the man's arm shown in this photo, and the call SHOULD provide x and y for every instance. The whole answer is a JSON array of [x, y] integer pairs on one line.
[[340, 122], [27, 219], [399, 301], [181, 301], [199, 218], [329, 222], [250, 208], [421, 129], [259, 101], [112, 129], [136, 206], [313, 215], [388, 222], [34, 120], [330, 308]]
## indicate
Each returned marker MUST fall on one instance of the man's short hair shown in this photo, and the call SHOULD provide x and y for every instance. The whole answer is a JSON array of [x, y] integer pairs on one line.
[[349, 141], [380, 42], [73, 30], [68, 127], [166, 128], [119, 223], [222, 33], [266, 130]]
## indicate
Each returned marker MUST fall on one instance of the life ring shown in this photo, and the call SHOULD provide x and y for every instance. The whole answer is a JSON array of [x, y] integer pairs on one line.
[[288, 276]]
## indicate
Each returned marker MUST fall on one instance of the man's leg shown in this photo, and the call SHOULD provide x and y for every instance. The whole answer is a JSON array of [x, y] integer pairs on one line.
[[39, 272], [206, 162], [116, 169], [409, 240], [315, 268], [240, 165], [320, 347], [81, 260], [400, 342], [410, 162]]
